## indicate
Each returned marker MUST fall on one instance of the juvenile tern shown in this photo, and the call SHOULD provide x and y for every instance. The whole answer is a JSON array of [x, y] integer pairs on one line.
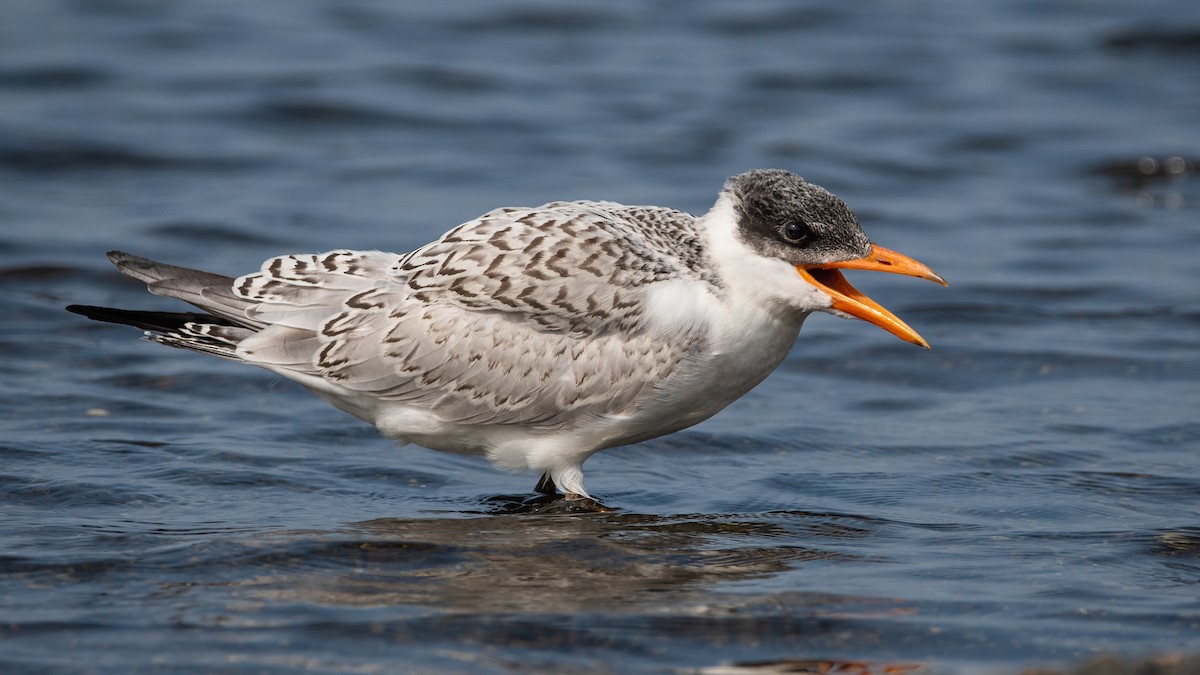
[[539, 336]]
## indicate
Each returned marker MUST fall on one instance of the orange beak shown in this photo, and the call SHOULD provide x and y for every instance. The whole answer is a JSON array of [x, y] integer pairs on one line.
[[850, 300]]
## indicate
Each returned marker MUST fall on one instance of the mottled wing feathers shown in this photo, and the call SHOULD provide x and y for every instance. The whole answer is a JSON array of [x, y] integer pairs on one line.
[[486, 368], [574, 267], [524, 315], [301, 291], [301, 299]]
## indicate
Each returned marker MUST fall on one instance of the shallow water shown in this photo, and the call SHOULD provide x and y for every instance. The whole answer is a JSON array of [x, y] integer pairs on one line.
[[1026, 493]]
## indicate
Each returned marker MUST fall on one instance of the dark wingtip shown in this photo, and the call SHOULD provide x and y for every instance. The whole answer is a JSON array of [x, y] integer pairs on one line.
[[97, 313], [146, 320], [106, 314]]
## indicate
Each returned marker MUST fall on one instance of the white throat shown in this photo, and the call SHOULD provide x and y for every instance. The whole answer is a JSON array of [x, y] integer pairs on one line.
[[769, 284], [751, 322]]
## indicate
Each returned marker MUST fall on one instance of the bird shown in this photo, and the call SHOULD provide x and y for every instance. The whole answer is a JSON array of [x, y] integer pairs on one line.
[[538, 336]]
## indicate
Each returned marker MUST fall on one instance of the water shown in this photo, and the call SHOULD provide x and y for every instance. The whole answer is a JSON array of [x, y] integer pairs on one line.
[[1026, 493]]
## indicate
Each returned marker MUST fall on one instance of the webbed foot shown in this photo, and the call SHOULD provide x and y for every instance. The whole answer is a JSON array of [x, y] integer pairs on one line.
[[547, 504]]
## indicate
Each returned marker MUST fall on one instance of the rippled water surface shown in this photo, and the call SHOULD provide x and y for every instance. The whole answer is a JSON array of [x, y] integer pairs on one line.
[[1026, 493]]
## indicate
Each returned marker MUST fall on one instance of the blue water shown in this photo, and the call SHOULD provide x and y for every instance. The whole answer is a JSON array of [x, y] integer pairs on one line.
[[1025, 494]]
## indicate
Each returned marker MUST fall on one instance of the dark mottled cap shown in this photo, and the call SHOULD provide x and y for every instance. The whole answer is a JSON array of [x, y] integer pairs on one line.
[[781, 215]]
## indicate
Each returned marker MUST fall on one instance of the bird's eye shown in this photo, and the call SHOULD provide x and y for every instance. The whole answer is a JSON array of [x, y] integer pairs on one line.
[[795, 233]]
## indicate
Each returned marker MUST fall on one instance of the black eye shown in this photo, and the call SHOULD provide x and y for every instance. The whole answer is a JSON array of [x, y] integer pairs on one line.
[[795, 233]]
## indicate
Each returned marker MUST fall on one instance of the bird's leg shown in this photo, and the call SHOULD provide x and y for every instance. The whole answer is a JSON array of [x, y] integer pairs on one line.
[[571, 502], [545, 485]]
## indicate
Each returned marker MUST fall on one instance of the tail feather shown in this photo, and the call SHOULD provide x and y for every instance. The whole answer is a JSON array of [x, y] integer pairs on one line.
[[151, 321], [198, 332], [217, 330], [206, 338], [210, 292], [291, 297]]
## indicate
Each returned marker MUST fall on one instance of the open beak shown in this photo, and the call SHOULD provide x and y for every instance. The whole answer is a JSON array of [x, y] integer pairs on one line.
[[850, 300]]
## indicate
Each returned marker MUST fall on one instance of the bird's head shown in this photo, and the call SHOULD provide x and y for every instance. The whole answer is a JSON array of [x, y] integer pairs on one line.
[[780, 215]]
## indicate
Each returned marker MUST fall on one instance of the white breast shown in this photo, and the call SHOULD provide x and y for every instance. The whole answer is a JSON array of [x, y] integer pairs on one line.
[[750, 324]]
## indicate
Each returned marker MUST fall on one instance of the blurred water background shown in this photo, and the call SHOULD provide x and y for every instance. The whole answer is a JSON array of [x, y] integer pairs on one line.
[[1025, 494]]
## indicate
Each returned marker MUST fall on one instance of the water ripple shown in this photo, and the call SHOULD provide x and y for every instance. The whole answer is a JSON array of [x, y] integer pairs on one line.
[[1023, 493]]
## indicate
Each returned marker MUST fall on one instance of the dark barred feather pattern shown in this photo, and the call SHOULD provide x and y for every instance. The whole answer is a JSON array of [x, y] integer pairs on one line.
[[533, 316]]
